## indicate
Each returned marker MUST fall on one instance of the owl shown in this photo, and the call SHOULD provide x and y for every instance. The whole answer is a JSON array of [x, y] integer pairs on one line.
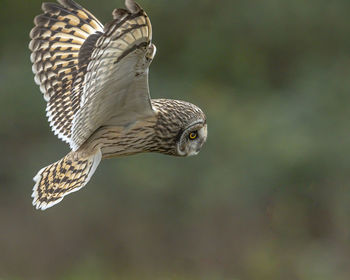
[[94, 79]]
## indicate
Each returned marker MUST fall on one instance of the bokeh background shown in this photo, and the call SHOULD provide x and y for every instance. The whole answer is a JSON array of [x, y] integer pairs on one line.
[[267, 198]]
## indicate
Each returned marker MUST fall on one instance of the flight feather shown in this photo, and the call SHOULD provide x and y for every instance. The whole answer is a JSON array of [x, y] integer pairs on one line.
[[86, 72]]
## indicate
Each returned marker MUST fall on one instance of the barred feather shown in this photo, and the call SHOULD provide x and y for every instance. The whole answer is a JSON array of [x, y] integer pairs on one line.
[[57, 38], [63, 177], [76, 62], [114, 85]]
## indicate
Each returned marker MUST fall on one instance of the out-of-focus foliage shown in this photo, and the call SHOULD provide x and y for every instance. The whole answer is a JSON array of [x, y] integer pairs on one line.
[[267, 198]]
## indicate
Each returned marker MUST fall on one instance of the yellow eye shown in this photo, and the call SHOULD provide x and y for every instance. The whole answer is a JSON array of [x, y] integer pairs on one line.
[[193, 135]]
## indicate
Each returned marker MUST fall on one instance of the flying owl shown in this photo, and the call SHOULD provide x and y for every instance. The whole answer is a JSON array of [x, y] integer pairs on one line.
[[95, 81]]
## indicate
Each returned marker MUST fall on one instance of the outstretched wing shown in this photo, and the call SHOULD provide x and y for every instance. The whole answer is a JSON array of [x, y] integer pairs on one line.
[[91, 76], [57, 40], [115, 88]]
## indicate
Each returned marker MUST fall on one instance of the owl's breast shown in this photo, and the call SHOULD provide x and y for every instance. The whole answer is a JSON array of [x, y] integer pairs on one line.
[[115, 141]]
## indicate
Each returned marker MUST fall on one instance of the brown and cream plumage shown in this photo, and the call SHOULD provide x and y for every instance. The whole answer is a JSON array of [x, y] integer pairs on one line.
[[95, 82]]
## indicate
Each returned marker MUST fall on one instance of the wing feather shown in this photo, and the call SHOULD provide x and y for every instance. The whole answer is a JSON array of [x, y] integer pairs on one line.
[[56, 40], [116, 82], [90, 75]]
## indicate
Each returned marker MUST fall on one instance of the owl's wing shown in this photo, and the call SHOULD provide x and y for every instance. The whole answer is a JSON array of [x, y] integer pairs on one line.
[[91, 76], [115, 88], [56, 43]]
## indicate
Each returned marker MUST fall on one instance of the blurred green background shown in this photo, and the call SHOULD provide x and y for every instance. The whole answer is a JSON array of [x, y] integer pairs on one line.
[[267, 198]]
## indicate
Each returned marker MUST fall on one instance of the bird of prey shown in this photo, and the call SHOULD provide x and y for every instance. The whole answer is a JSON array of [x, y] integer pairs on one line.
[[94, 79]]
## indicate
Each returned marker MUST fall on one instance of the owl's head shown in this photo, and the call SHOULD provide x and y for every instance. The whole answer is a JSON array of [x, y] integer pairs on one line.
[[181, 127], [192, 138]]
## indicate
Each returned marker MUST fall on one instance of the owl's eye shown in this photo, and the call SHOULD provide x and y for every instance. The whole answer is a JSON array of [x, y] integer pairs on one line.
[[193, 135]]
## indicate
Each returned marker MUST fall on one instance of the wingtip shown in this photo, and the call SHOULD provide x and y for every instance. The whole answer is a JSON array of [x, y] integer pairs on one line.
[[119, 13], [132, 6]]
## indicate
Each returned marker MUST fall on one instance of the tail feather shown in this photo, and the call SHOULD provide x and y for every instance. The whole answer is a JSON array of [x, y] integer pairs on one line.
[[70, 174]]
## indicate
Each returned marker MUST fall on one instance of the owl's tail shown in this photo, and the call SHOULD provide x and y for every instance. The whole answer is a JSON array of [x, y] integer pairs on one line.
[[63, 177]]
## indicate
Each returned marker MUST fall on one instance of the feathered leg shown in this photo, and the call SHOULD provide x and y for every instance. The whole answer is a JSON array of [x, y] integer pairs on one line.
[[63, 177]]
